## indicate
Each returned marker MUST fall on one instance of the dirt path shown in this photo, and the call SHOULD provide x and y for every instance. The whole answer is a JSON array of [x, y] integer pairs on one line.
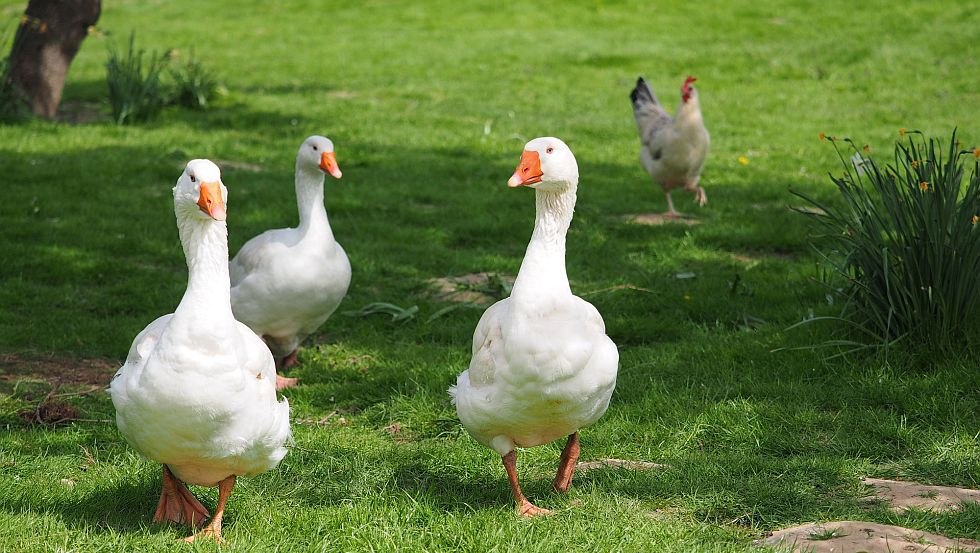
[[57, 370]]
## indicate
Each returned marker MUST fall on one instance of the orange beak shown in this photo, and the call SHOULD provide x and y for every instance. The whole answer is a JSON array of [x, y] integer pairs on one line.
[[210, 200], [328, 164], [528, 171]]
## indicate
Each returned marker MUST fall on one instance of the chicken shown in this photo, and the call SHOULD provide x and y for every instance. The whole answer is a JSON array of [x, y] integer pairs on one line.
[[672, 150]]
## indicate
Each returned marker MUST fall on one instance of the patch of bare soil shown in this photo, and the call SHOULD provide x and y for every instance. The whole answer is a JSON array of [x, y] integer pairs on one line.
[[903, 495], [476, 288], [654, 219], [749, 258], [870, 537], [77, 112], [57, 370], [627, 464]]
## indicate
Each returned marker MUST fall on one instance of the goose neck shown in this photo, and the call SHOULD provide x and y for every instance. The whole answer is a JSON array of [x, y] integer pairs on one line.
[[543, 270], [309, 199], [205, 244]]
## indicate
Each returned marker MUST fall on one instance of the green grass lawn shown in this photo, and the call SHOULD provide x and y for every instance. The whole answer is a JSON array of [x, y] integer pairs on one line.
[[429, 104]]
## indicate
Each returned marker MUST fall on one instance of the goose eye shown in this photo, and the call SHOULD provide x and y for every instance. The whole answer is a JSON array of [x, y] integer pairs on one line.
[[549, 150], [193, 179], [314, 148]]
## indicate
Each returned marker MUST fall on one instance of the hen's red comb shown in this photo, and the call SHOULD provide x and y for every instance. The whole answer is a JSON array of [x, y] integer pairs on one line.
[[688, 81]]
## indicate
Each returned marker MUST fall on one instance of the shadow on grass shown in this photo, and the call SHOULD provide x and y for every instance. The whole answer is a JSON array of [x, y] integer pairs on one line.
[[125, 508]]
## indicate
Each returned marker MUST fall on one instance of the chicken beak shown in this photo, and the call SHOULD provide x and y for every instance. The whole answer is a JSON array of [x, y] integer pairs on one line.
[[210, 201], [528, 171], [328, 163]]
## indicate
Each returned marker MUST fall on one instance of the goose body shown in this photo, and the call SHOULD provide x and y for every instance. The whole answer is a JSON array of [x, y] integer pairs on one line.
[[287, 282], [542, 366], [197, 391]]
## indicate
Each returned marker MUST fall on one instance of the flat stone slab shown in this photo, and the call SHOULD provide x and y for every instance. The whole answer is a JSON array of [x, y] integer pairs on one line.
[[912, 495], [854, 536], [654, 219], [475, 288], [585, 466]]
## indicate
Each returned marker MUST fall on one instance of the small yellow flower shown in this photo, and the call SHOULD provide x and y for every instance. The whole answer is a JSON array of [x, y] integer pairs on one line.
[[822, 137], [743, 160], [866, 148], [975, 219], [915, 164], [923, 186], [976, 153], [687, 297], [901, 132]]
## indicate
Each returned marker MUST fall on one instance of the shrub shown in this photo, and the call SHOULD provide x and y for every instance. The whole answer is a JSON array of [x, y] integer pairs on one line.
[[906, 244], [136, 91], [194, 87]]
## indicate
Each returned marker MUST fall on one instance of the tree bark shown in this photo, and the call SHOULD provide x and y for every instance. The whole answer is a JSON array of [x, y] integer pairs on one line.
[[49, 36]]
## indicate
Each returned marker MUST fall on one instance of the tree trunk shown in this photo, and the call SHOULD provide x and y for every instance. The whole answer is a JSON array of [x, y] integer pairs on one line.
[[47, 40]]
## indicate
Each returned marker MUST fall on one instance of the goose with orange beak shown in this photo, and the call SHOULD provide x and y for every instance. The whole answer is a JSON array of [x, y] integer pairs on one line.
[[287, 282], [197, 392], [542, 366]]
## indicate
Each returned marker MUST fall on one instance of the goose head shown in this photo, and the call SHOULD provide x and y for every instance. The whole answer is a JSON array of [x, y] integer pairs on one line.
[[199, 192], [546, 164], [316, 154]]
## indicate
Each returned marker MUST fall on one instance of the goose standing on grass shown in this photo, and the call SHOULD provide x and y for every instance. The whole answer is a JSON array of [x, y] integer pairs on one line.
[[197, 392], [285, 283], [542, 365]]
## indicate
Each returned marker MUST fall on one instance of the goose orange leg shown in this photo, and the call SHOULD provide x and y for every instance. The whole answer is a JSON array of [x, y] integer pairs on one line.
[[213, 529], [281, 365], [285, 382], [566, 466], [524, 507], [178, 504]]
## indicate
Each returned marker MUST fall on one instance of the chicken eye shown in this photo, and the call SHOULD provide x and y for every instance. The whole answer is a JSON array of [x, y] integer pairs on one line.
[[549, 150]]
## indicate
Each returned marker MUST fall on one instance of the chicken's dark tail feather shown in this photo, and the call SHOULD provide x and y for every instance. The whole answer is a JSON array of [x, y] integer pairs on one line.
[[642, 94]]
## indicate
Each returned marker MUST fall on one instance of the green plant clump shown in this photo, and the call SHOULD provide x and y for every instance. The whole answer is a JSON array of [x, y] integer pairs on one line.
[[907, 244], [193, 85], [136, 90]]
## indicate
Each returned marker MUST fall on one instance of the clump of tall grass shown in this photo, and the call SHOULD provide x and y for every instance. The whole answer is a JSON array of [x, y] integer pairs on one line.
[[906, 244], [137, 92], [194, 86]]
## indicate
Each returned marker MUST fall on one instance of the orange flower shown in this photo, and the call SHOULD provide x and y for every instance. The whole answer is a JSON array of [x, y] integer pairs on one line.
[[923, 186], [822, 136], [867, 149], [976, 153]]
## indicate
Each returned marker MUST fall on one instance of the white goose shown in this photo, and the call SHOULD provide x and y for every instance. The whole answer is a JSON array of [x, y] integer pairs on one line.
[[285, 283], [542, 365], [197, 391]]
